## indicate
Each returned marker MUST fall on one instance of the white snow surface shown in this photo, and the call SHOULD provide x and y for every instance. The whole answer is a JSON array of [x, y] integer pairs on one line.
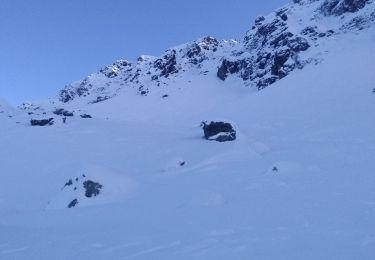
[[298, 183]]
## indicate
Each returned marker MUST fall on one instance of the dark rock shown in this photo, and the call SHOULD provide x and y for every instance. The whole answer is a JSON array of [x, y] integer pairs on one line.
[[209, 42], [113, 70], [70, 92], [263, 59], [111, 74], [85, 116], [100, 99], [194, 50], [275, 51], [280, 59], [63, 112], [92, 188], [310, 30], [282, 40], [219, 131], [284, 17], [58, 111], [282, 14], [68, 183], [68, 113], [73, 203], [164, 96], [359, 23], [268, 29], [167, 65], [42, 122], [66, 95], [259, 20], [337, 7], [265, 82], [298, 44], [227, 67]]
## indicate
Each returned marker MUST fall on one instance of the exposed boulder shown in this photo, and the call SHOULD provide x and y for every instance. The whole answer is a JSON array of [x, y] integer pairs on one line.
[[68, 183], [63, 112], [219, 131], [182, 163], [73, 203], [41, 122], [85, 116], [92, 188]]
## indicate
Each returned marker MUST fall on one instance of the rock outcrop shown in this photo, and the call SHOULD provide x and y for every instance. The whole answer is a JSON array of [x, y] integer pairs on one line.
[[41, 122], [219, 131]]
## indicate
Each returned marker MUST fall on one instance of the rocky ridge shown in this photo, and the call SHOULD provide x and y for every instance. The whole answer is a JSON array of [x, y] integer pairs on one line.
[[289, 38]]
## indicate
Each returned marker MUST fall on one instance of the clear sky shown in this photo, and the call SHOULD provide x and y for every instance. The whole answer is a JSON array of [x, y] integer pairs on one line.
[[46, 44]]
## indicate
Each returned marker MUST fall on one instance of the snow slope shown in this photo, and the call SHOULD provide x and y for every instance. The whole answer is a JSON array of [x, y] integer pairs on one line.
[[227, 201], [298, 183]]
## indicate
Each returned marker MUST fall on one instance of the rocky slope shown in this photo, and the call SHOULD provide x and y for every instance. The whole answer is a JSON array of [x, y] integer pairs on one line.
[[289, 38]]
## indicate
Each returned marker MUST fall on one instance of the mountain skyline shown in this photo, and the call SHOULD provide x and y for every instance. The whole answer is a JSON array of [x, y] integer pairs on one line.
[[48, 44]]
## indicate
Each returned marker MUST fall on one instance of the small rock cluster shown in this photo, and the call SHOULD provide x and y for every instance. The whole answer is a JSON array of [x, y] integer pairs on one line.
[[91, 188], [63, 112]]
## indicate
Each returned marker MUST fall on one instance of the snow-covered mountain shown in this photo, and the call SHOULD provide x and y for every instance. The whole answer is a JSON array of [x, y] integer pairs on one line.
[[290, 38], [120, 169]]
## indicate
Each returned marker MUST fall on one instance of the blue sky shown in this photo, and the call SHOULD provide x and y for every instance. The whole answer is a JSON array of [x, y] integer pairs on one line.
[[46, 44]]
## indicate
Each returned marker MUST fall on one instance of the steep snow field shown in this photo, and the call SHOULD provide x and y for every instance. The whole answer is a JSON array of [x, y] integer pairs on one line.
[[298, 183]]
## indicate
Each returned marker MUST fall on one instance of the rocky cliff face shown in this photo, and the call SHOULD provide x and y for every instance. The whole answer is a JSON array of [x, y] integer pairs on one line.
[[288, 39], [147, 72], [279, 43]]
